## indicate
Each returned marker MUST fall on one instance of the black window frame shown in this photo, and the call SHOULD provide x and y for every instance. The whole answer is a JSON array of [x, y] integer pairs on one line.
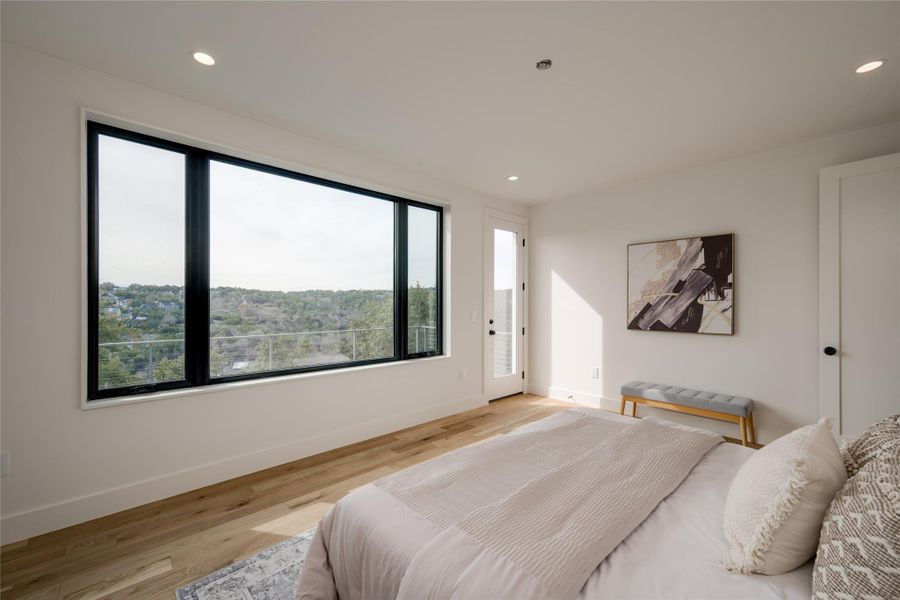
[[196, 264]]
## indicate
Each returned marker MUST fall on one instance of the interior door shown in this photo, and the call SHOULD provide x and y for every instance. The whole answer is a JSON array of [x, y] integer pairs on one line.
[[504, 333], [859, 296]]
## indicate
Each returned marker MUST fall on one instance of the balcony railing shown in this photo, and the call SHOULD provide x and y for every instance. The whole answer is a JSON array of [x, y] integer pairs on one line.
[[258, 352], [503, 353]]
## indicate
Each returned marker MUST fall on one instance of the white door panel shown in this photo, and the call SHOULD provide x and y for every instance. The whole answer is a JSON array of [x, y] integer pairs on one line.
[[859, 382], [504, 336]]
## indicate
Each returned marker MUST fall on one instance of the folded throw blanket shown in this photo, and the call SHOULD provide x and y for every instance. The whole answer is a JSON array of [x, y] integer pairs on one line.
[[531, 515]]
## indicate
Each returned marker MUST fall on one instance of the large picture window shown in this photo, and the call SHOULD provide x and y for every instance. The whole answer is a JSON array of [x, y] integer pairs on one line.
[[205, 268]]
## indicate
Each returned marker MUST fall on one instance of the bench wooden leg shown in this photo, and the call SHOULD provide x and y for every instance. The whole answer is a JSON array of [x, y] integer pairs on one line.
[[752, 428], [748, 429]]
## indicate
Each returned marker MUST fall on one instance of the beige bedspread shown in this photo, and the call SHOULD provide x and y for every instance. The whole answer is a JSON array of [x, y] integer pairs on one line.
[[528, 516]]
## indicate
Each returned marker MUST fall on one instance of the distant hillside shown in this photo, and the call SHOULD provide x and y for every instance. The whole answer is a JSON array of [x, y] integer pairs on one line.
[[313, 327]]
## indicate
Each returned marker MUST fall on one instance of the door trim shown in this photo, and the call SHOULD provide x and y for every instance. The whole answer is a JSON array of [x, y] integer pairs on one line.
[[830, 276], [487, 369]]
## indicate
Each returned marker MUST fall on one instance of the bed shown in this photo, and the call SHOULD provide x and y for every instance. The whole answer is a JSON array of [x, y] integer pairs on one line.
[[372, 544]]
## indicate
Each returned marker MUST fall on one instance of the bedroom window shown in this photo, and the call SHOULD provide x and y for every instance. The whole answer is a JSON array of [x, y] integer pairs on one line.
[[140, 264], [205, 268], [423, 273]]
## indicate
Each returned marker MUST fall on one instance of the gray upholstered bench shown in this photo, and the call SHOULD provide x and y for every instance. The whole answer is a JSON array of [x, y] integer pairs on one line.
[[723, 407]]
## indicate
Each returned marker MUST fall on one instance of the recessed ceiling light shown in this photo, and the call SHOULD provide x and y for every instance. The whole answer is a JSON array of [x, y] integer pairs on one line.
[[204, 59], [869, 66], [513, 178]]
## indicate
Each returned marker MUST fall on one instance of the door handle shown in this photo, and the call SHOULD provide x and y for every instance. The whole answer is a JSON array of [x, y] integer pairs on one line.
[[492, 332], [830, 350]]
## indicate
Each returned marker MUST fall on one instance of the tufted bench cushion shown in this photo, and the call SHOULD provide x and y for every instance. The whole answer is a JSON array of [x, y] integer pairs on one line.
[[725, 403]]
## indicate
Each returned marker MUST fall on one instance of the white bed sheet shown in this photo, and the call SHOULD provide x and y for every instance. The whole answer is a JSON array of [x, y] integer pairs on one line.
[[675, 553]]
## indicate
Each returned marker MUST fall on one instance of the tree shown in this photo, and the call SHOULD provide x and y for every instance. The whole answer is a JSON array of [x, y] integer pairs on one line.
[[112, 329], [287, 352], [376, 318], [422, 318], [216, 363], [113, 373], [169, 369]]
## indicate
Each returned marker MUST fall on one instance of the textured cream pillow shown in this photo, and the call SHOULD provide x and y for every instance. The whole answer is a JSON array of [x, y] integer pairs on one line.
[[777, 500]]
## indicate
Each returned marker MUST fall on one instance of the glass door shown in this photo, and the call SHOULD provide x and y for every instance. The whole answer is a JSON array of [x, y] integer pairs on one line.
[[504, 303]]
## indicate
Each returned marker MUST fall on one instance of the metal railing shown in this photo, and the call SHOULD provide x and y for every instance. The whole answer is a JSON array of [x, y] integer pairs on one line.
[[421, 339], [503, 353]]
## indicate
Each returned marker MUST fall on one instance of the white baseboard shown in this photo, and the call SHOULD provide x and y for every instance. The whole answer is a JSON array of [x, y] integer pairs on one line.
[[583, 398], [43, 519], [763, 436]]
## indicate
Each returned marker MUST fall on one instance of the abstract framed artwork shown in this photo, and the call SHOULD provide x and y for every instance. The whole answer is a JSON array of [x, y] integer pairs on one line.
[[684, 285]]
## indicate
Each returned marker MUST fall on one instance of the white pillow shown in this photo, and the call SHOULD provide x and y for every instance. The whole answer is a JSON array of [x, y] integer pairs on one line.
[[777, 500]]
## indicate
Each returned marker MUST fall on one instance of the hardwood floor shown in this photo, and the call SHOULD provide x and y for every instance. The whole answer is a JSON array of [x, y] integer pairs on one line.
[[149, 551]]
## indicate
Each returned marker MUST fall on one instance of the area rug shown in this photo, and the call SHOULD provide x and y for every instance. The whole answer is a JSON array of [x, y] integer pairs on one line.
[[269, 575]]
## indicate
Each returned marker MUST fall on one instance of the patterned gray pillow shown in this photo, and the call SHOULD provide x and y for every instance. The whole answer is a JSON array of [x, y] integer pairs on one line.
[[859, 546], [877, 438]]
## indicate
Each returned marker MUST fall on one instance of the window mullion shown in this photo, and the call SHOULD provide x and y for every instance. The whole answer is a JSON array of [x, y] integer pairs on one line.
[[197, 266], [439, 284], [401, 293], [93, 218]]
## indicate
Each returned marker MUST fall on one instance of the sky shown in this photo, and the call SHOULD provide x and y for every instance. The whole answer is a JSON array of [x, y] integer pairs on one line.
[[506, 245], [267, 232]]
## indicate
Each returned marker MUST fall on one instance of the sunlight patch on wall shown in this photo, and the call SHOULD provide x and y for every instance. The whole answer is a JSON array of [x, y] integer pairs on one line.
[[576, 340]]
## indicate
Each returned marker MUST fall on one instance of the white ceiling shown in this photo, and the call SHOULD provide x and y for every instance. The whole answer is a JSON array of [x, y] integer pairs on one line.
[[451, 89]]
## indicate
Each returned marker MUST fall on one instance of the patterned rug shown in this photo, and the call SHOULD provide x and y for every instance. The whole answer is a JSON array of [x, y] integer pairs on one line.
[[269, 575]]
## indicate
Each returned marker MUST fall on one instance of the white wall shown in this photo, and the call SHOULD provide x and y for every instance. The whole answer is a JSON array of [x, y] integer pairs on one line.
[[69, 465], [770, 201]]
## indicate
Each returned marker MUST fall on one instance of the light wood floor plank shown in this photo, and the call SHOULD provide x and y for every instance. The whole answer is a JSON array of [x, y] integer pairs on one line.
[[113, 582]]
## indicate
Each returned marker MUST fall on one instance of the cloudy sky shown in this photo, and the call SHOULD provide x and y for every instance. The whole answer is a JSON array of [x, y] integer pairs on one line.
[[267, 232], [506, 245]]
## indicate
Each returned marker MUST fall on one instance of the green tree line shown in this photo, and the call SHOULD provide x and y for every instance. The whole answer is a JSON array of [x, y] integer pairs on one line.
[[143, 312]]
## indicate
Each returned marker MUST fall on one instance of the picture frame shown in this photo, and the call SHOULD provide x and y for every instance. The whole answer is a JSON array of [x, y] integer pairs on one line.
[[682, 285]]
